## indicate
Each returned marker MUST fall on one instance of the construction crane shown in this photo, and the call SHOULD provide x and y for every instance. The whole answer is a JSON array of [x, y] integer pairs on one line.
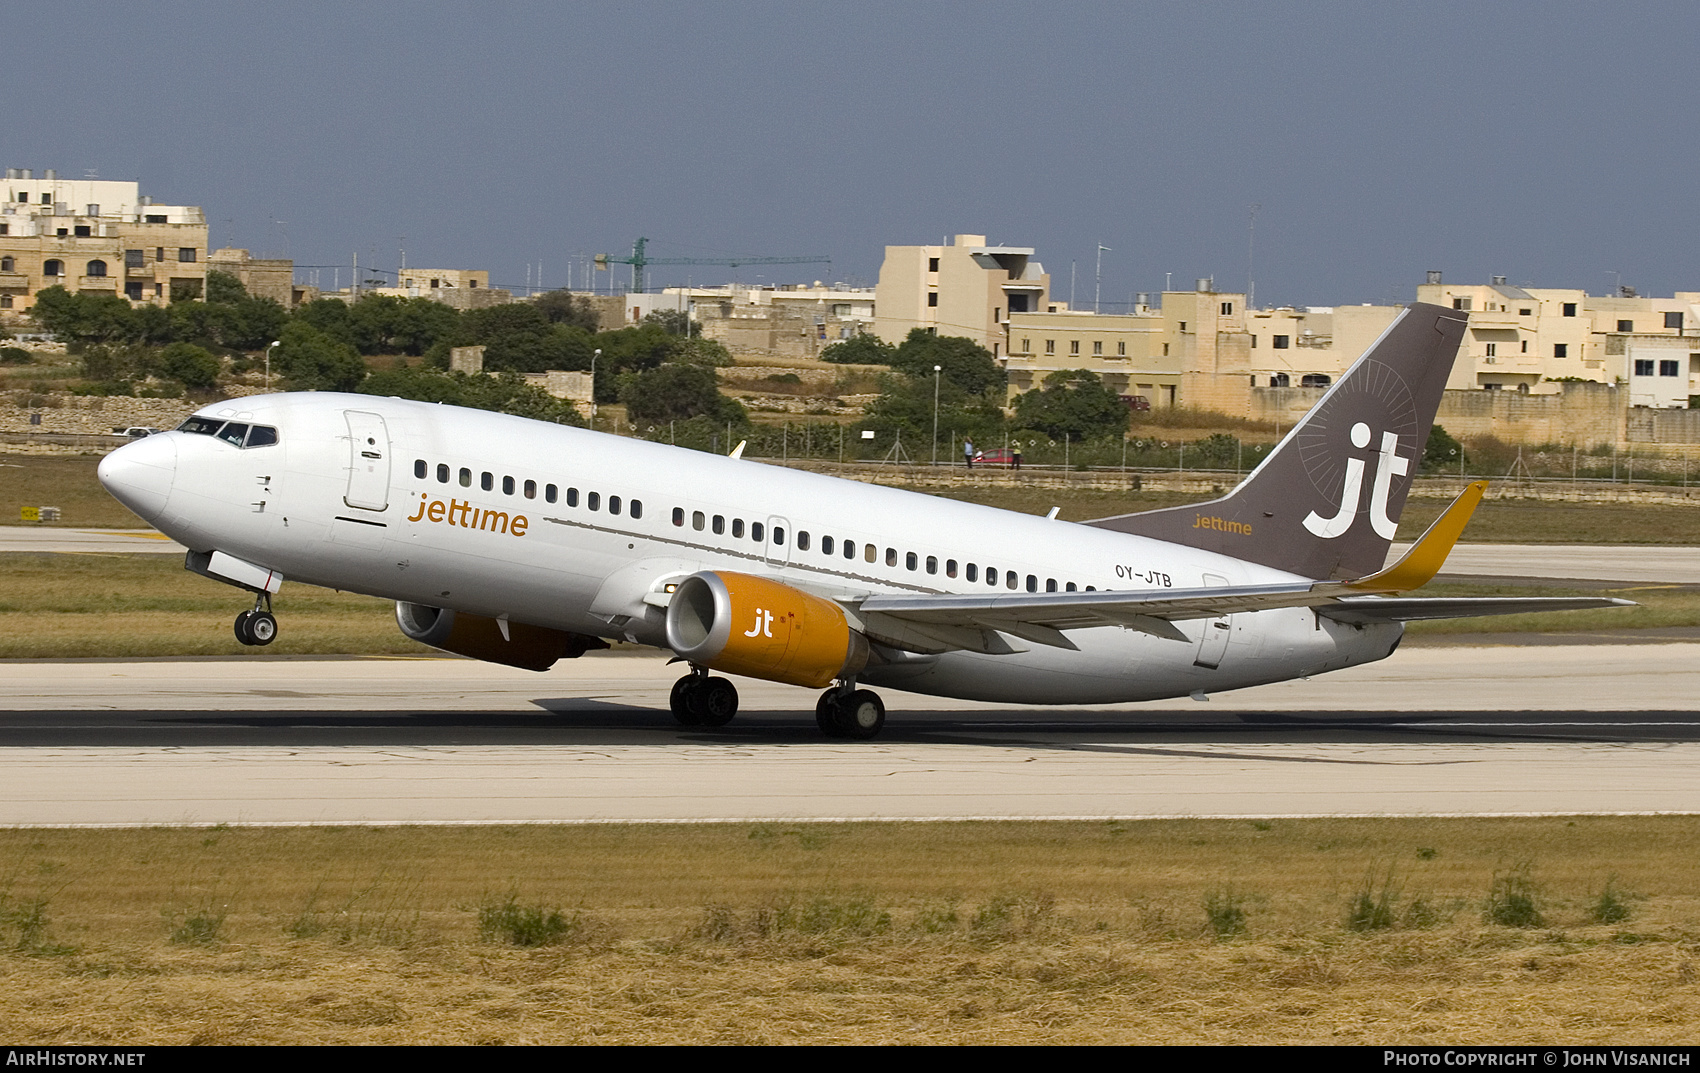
[[638, 261]]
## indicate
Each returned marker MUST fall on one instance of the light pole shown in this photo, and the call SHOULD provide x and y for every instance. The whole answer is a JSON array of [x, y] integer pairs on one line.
[[275, 342], [936, 370], [593, 356]]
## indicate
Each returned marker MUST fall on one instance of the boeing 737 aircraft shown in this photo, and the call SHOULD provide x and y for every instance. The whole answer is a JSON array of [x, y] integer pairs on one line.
[[521, 543]]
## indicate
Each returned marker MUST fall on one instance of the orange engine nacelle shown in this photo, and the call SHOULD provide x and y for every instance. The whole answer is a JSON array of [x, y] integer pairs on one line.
[[764, 629], [533, 648]]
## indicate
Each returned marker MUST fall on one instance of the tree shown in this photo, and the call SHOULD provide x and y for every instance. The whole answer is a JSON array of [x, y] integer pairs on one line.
[[1442, 452], [1072, 403], [860, 350], [224, 288], [192, 366], [674, 322], [505, 393], [965, 361], [81, 319], [310, 360], [676, 393], [564, 307]]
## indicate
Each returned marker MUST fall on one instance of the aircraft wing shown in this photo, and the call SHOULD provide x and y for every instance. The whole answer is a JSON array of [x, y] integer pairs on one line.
[[947, 620], [1362, 610]]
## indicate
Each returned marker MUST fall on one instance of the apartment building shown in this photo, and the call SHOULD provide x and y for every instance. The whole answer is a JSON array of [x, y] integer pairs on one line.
[[95, 236], [1532, 340], [968, 288]]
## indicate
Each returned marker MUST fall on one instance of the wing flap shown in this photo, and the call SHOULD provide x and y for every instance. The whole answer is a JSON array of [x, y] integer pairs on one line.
[[1363, 610]]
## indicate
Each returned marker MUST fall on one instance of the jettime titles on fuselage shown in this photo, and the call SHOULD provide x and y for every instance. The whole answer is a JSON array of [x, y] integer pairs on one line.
[[467, 516]]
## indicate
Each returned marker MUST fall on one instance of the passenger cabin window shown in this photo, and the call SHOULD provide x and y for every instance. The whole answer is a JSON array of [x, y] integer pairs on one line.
[[637, 508], [486, 481], [932, 564], [849, 549], [549, 494], [465, 477], [870, 553], [507, 486], [572, 497], [891, 556], [719, 524], [442, 473], [778, 535], [531, 489], [910, 561], [698, 520], [950, 568], [991, 575], [679, 516], [756, 531], [738, 528], [420, 469], [1011, 579], [971, 572], [613, 504], [593, 500], [803, 541], [826, 545]]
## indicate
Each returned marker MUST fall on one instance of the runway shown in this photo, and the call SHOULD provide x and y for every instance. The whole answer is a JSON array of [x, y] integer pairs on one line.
[[1617, 562], [1435, 731]]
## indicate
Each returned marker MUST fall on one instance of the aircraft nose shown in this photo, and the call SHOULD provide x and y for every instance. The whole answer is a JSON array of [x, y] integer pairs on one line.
[[139, 475]]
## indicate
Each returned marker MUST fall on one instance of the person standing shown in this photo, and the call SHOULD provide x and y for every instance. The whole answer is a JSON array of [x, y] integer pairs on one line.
[[1015, 456], [968, 452]]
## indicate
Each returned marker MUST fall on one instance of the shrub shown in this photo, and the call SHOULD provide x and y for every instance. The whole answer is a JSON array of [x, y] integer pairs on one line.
[[1224, 912], [1372, 909], [1511, 900], [524, 925], [1610, 907]]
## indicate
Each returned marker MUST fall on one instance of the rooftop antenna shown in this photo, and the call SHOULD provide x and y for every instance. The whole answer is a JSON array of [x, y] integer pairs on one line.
[[1098, 277], [1250, 249]]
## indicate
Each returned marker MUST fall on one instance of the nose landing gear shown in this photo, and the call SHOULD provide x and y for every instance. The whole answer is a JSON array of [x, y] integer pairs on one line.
[[848, 712], [698, 700], [259, 626]]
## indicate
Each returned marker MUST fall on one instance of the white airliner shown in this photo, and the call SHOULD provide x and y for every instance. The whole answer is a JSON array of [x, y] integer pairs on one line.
[[521, 542]]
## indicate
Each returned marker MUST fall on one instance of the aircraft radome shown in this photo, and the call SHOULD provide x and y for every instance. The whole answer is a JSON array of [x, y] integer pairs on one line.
[[521, 542]]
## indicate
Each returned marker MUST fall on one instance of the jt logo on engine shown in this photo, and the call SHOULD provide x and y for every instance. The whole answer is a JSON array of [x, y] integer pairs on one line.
[[1389, 465], [763, 626]]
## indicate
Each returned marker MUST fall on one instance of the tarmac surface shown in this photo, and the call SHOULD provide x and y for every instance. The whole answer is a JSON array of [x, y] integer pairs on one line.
[[1433, 731]]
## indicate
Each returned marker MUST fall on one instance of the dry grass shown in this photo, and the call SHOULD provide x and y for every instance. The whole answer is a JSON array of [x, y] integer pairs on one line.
[[64, 481], [61, 606], [864, 933]]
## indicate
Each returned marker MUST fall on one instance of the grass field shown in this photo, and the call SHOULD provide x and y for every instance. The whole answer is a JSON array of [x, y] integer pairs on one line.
[[1358, 931], [61, 606]]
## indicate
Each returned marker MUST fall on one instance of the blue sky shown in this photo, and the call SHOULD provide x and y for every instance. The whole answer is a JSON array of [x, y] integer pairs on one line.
[[1548, 142]]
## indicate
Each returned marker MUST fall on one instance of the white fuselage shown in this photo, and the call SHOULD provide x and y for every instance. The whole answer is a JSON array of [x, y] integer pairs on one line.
[[318, 508]]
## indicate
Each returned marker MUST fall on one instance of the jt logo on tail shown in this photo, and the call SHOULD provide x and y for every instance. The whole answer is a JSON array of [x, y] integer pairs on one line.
[[1390, 464]]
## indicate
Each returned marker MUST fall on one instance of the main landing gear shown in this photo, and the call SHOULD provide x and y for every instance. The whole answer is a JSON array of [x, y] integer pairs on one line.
[[259, 626], [700, 701], [847, 712]]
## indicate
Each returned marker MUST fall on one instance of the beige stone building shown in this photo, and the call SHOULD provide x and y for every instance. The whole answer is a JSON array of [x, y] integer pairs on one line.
[[95, 236], [968, 288], [262, 277], [784, 321], [1533, 340]]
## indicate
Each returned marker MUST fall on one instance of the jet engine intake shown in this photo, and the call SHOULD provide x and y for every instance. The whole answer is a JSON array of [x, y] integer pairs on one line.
[[520, 644], [764, 629]]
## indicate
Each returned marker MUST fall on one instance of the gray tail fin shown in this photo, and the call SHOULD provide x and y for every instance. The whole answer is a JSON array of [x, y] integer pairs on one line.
[[1325, 502]]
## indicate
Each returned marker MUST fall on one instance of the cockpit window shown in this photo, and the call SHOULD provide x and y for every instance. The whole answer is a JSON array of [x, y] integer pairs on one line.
[[261, 436], [233, 433], [202, 426]]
